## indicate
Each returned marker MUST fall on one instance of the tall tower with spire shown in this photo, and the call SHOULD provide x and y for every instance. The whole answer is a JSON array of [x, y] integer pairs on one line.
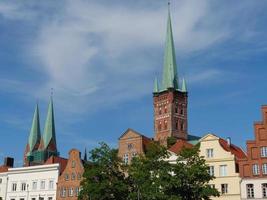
[[170, 96], [39, 149]]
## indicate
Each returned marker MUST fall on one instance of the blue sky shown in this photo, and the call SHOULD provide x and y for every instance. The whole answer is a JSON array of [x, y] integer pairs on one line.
[[101, 59]]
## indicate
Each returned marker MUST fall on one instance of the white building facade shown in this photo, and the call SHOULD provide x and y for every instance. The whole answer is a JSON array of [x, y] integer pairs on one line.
[[32, 183], [252, 188], [3, 185]]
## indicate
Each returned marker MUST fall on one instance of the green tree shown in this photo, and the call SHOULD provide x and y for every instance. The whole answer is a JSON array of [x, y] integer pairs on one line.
[[103, 177], [190, 177], [149, 173], [171, 141]]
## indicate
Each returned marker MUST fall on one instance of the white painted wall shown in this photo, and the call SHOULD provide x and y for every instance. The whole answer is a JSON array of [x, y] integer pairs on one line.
[[3, 184], [29, 175], [257, 187]]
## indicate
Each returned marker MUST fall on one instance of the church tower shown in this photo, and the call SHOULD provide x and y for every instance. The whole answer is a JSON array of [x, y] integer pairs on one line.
[[39, 149], [170, 97]]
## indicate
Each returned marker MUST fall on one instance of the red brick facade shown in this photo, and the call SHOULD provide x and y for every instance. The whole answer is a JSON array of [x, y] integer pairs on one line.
[[170, 115], [255, 165], [69, 181], [132, 143]]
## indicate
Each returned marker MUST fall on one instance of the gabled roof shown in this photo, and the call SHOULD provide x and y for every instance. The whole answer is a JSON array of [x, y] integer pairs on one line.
[[129, 129], [235, 150], [56, 159], [238, 152], [179, 145]]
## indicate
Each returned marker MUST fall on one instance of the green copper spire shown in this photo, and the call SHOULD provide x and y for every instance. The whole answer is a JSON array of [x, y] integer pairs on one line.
[[156, 86], [169, 79], [49, 130], [184, 87], [35, 134]]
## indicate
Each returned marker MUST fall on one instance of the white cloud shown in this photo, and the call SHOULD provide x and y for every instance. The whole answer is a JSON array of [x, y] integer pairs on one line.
[[94, 54]]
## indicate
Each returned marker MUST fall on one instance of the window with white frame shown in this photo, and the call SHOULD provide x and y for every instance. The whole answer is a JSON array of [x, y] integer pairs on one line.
[[34, 185], [50, 198], [14, 187], [63, 192], [77, 191], [264, 168], [255, 169], [42, 186], [224, 188], [209, 153], [263, 151], [126, 158], [70, 192], [250, 191], [0, 180], [51, 184], [211, 170], [212, 186], [23, 186], [264, 190], [223, 170]]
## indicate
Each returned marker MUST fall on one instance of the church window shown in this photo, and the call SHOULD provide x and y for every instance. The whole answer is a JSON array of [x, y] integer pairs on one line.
[[159, 126], [182, 126], [181, 111]]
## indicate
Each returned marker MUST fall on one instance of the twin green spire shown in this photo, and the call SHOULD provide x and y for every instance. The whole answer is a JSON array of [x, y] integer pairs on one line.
[[35, 133], [49, 130], [170, 77]]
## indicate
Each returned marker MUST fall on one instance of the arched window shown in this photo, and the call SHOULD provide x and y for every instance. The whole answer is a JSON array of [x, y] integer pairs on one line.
[[165, 109], [165, 125], [159, 126], [159, 110]]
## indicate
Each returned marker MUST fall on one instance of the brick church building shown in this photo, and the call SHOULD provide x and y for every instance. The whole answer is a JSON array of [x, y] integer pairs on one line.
[[170, 108]]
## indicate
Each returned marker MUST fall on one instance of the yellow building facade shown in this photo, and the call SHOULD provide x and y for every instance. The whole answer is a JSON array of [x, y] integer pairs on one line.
[[222, 157]]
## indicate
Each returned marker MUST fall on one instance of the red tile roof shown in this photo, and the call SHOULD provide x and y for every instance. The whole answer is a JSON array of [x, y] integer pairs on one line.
[[179, 145], [55, 159], [3, 168], [238, 152]]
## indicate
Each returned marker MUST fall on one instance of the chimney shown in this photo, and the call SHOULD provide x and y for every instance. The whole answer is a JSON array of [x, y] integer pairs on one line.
[[229, 141], [9, 162]]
